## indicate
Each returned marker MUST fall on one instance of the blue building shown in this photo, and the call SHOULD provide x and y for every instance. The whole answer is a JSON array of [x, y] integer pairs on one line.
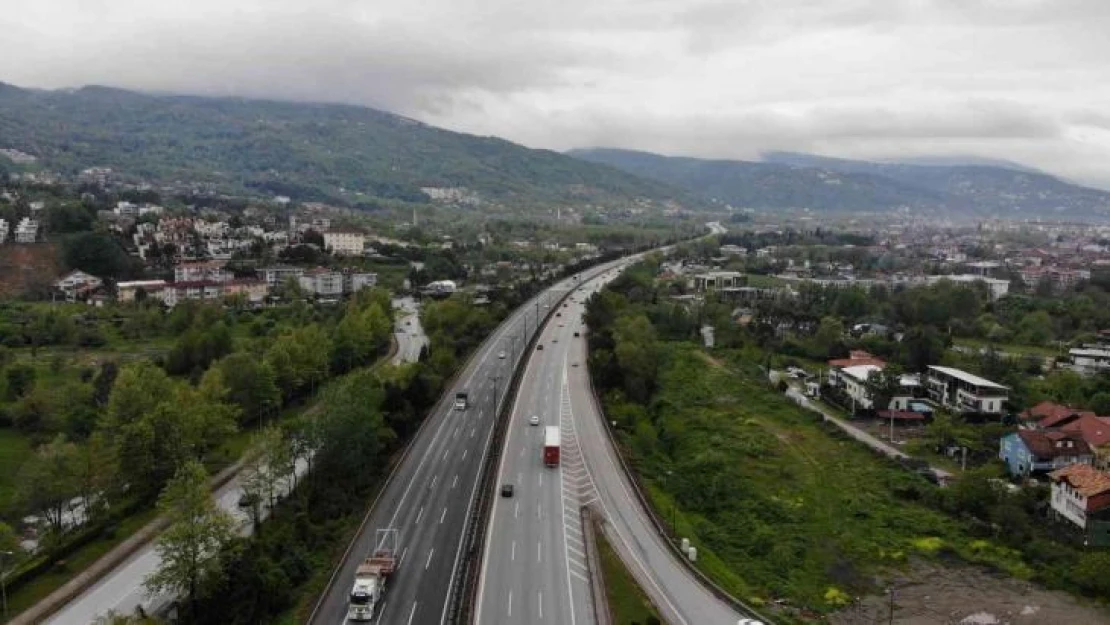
[[1029, 452]]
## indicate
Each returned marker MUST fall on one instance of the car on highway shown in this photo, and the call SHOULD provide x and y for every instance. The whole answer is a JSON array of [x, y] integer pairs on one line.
[[558, 314], [534, 420], [575, 334], [539, 348], [506, 490], [501, 355], [408, 322], [749, 621]]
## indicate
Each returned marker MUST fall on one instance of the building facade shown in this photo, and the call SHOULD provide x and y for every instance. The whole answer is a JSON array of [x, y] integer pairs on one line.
[[964, 392], [345, 243]]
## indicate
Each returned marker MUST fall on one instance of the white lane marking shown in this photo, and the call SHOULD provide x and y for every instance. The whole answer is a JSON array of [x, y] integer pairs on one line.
[[412, 612], [472, 431], [539, 551], [434, 478], [512, 551], [404, 552], [539, 511], [419, 514], [464, 455], [455, 434], [455, 481], [516, 510], [442, 516], [541, 480], [540, 594], [510, 603], [429, 558], [446, 453]]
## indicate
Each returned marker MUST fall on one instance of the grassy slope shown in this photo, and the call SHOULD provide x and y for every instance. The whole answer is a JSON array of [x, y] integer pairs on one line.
[[627, 602], [786, 508]]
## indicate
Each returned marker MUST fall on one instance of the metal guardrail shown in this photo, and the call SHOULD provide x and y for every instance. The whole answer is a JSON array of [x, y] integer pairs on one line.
[[465, 591]]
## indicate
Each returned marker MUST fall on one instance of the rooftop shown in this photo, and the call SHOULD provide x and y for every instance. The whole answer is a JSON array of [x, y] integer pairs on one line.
[[1052, 444], [970, 378], [1084, 478]]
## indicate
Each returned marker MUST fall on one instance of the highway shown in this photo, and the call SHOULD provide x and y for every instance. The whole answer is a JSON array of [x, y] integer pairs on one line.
[[428, 497], [534, 568], [514, 576]]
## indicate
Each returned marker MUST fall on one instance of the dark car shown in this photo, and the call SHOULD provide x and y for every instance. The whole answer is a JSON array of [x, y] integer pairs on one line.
[[576, 334], [506, 490], [539, 347]]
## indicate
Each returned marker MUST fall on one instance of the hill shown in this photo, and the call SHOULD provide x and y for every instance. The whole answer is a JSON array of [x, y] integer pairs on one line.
[[788, 180], [328, 152]]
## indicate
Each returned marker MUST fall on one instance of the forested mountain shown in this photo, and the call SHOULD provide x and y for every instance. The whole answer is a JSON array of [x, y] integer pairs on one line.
[[787, 180], [306, 151]]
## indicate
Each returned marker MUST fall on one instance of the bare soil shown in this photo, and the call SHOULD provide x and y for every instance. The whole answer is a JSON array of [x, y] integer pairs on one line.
[[938, 594]]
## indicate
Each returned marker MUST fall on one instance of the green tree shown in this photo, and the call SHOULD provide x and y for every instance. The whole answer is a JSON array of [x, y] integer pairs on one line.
[[48, 481], [96, 253], [250, 384], [190, 549], [19, 379], [637, 355], [1035, 328]]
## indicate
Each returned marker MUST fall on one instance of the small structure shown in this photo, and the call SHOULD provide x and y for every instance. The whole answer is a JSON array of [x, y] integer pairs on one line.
[[964, 392], [1081, 495], [1089, 360], [1028, 452], [77, 283]]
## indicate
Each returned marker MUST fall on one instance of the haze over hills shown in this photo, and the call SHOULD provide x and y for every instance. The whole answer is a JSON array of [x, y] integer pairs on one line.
[[327, 152], [788, 180]]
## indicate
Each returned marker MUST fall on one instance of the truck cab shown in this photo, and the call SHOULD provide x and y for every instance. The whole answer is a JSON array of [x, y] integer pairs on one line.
[[461, 401]]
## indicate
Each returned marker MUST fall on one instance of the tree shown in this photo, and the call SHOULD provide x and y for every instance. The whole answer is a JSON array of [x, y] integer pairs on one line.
[[190, 548], [19, 378], [48, 482], [269, 464], [886, 384], [1100, 403], [250, 384], [67, 217], [636, 353], [923, 346], [96, 253]]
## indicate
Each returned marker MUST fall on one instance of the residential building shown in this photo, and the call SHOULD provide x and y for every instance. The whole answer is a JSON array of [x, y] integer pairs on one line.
[[277, 275], [964, 392], [997, 288], [1028, 452], [77, 283], [345, 242], [1089, 360], [1081, 495], [254, 290], [323, 283], [718, 280], [355, 281], [1047, 414], [176, 292], [857, 383], [126, 209], [1095, 431], [210, 271], [4, 228], [26, 231], [129, 291]]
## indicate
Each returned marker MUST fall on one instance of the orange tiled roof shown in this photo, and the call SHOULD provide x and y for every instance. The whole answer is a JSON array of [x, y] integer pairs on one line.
[[1084, 478]]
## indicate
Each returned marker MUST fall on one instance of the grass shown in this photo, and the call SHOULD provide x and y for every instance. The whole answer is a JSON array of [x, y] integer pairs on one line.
[[15, 448], [779, 505], [628, 605], [38, 588]]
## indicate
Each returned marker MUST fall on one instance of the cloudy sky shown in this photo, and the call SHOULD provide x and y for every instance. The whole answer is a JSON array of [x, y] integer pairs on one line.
[[1023, 80]]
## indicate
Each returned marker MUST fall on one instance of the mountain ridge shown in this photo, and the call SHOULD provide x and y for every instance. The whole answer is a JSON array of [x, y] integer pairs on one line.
[[787, 180], [309, 151]]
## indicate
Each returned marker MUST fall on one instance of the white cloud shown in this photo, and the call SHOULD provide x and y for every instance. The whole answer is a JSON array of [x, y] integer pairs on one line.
[[1017, 79]]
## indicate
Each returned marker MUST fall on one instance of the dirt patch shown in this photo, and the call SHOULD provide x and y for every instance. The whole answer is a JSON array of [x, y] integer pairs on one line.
[[932, 594], [711, 360], [28, 268]]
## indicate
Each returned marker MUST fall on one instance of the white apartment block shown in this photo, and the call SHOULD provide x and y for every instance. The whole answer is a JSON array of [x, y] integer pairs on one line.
[[322, 282], [345, 243], [4, 228], [961, 391], [355, 281], [278, 274], [26, 231], [196, 272]]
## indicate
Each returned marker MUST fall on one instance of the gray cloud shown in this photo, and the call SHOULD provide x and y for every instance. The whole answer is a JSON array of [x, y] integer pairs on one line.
[[1017, 79]]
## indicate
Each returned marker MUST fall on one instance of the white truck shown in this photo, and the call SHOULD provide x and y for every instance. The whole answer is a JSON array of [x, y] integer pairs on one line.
[[372, 575], [462, 400]]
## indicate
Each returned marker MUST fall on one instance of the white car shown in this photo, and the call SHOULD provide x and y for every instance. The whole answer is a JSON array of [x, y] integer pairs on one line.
[[749, 621], [534, 420], [501, 355]]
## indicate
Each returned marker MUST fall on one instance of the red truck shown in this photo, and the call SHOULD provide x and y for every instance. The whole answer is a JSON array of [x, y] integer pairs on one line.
[[551, 446]]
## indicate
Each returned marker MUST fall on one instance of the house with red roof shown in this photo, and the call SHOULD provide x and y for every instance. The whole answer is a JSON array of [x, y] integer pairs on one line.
[[1029, 452], [1081, 496]]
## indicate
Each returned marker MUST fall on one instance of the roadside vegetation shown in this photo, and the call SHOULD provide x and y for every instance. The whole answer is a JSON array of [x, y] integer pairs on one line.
[[781, 506], [628, 605]]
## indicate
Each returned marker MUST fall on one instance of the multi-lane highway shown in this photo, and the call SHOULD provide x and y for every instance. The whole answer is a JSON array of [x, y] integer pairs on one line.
[[432, 490], [534, 566], [533, 552]]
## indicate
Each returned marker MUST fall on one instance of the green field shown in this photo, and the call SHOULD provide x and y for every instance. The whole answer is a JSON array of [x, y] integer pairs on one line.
[[779, 506]]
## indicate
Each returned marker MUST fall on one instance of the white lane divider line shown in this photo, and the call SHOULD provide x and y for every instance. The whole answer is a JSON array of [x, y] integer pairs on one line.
[[429, 561], [455, 481], [412, 613], [442, 516], [419, 514]]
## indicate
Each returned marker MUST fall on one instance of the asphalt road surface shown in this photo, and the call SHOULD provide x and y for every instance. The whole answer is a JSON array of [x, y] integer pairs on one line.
[[428, 498], [591, 474]]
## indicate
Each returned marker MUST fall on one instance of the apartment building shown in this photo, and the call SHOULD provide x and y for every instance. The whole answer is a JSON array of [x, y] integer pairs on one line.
[[964, 392], [345, 242]]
